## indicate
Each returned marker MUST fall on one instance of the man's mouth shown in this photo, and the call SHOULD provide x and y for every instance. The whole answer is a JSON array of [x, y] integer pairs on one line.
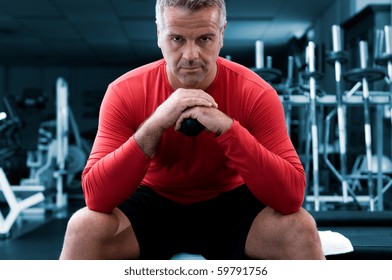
[[190, 69]]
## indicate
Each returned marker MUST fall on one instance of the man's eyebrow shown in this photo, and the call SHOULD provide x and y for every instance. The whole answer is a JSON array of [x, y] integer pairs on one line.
[[173, 34], [210, 34]]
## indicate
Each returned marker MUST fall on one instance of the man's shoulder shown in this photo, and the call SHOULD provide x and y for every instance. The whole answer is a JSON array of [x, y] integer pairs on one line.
[[142, 72], [242, 73], [232, 66]]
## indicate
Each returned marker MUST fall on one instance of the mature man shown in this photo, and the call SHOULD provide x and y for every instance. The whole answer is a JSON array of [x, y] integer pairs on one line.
[[232, 192]]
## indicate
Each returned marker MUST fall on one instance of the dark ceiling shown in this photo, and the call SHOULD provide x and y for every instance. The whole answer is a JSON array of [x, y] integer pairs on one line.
[[122, 32]]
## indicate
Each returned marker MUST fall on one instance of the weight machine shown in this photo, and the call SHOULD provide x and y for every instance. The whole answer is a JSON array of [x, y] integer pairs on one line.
[[18, 198], [38, 195]]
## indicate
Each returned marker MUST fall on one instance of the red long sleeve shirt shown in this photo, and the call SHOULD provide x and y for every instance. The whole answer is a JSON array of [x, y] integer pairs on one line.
[[255, 151]]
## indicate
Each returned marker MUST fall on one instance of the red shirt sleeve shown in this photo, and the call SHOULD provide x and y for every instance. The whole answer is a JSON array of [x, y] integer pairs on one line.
[[266, 159], [116, 164]]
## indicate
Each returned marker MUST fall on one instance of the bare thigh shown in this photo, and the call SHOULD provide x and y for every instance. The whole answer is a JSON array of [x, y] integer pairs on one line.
[[276, 236], [95, 235]]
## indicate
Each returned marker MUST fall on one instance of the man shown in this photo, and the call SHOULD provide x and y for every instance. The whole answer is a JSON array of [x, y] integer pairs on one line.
[[232, 192]]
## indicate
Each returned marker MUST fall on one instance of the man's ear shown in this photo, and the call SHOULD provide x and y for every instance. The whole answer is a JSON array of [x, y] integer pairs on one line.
[[222, 35], [158, 37]]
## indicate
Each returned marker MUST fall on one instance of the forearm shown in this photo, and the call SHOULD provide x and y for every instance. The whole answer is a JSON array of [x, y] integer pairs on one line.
[[108, 180], [113, 177], [148, 136], [276, 179]]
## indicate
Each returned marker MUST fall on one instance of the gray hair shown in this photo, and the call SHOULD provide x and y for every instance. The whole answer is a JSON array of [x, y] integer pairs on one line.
[[192, 5]]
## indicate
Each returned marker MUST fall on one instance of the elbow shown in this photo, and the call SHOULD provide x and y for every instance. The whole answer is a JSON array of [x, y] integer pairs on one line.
[[284, 202], [96, 200], [292, 207], [293, 200], [96, 205]]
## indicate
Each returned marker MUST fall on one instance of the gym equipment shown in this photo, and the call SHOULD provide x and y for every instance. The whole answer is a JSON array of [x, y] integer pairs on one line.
[[338, 57], [388, 57], [385, 58], [364, 75], [287, 93], [10, 156], [17, 204], [304, 84], [3, 116], [58, 151], [51, 167], [191, 127], [268, 73], [40, 161], [378, 101], [381, 165], [62, 124], [18, 198], [33, 140], [312, 75], [29, 109]]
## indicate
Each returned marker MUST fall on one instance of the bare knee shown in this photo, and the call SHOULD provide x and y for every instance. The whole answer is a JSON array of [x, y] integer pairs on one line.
[[291, 229], [303, 224], [277, 236], [80, 233], [87, 233], [95, 235], [87, 221], [302, 235]]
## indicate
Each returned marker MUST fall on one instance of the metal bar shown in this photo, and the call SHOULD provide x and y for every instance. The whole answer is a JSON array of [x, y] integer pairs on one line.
[[62, 130], [313, 117], [363, 50], [16, 204], [330, 165], [341, 109], [380, 138], [327, 128], [388, 50], [354, 89], [287, 93], [338, 198], [259, 54]]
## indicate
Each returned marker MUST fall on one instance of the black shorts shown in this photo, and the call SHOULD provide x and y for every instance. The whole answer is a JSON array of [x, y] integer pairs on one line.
[[216, 229]]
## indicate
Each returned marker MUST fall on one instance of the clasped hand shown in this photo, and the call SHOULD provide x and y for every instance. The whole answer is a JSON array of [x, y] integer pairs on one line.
[[192, 103]]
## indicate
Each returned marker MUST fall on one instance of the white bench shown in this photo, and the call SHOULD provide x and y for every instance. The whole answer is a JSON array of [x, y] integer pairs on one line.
[[333, 243]]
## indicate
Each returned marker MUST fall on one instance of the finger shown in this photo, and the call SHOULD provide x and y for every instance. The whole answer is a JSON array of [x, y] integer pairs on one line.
[[190, 113], [198, 95], [208, 97], [197, 101]]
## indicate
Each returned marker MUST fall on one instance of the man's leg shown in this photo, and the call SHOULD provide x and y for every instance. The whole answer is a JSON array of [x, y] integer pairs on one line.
[[276, 236], [94, 235]]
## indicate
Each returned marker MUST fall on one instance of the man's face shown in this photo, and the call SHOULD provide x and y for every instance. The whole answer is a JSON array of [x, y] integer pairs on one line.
[[190, 43]]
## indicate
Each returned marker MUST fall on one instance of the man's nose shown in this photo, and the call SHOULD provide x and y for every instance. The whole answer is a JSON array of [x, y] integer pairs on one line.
[[191, 51]]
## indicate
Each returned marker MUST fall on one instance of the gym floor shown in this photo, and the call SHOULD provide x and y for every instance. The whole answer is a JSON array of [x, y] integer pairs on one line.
[[369, 232]]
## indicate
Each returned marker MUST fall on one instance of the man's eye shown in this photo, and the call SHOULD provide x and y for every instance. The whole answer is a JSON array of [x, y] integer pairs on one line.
[[177, 39], [204, 39]]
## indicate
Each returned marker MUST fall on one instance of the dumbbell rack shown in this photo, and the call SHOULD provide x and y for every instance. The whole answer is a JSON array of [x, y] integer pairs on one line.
[[361, 76], [364, 75]]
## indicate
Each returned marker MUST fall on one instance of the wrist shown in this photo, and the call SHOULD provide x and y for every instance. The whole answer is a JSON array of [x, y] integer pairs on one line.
[[227, 124], [148, 136]]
